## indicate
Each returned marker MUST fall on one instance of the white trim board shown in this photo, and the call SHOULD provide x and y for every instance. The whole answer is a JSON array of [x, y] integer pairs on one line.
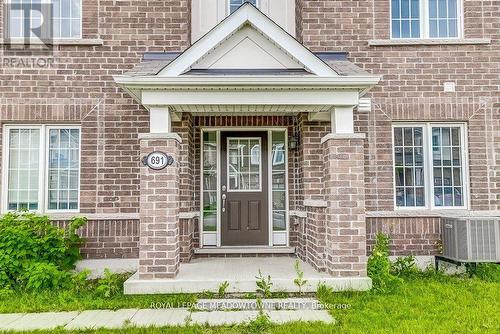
[[213, 238], [226, 97]]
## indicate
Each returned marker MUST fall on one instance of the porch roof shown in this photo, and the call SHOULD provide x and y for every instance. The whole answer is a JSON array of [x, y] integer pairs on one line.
[[154, 62], [250, 61]]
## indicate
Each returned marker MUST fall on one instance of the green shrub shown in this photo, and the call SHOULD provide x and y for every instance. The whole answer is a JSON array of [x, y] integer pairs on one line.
[[489, 272], [264, 285], [44, 275], [404, 266], [110, 284], [35, 254], [379, 266]]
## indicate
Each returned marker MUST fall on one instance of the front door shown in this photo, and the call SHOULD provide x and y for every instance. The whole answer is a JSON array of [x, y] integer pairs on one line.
[[244, 189]]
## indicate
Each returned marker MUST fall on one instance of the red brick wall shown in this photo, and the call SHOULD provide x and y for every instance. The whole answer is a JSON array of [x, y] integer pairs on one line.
[[408, 236], [412, 86], [107, 239], [79, 89]]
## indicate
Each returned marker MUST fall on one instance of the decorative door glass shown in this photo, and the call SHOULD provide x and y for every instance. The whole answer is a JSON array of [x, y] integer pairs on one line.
[[244, 164]]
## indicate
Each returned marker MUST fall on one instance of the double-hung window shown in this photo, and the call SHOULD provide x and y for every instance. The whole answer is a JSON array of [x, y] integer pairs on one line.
[[41, 169], [426, 18], [430, 165], [64, 16], [235, 4]]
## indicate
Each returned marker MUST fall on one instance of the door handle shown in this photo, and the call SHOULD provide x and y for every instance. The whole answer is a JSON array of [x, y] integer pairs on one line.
[[223, 202]]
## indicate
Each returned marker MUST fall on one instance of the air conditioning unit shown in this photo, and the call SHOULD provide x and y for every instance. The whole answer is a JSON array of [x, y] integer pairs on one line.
[[471, 239]]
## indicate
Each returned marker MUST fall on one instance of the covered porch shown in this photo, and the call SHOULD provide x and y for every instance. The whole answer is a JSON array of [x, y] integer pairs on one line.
[[266, 158]]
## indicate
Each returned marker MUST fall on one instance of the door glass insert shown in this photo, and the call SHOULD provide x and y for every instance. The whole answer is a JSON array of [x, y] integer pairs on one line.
[[244, 164]]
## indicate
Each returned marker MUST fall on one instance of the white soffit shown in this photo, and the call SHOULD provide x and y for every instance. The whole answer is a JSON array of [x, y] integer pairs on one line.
[[247, 15], [273, 109]]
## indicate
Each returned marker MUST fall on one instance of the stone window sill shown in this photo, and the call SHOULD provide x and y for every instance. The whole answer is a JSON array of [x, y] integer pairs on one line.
[[94, 216], [432, 213], [431, 41], [82, 41]]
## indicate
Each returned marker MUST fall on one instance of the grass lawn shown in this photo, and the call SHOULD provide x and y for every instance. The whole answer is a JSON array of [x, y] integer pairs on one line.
[[426, 303]]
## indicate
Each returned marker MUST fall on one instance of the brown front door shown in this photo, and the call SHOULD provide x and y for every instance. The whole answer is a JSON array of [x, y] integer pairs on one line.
[[244, 188]]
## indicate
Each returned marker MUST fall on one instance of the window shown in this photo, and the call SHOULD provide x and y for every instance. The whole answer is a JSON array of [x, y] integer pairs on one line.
[[235, 4], [443, 18], [42, 168], [405, 18], [425, 18], [66, 18], [429, 165]]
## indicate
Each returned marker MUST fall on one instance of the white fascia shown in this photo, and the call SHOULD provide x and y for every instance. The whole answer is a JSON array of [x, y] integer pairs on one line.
[[148, 82]]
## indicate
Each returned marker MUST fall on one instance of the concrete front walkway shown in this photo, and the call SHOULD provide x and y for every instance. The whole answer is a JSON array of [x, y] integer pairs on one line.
[[206, 274], [218, 315]]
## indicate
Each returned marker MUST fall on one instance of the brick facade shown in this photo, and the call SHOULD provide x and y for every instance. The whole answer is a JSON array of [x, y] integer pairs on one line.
[[78, 89], [408, 236], [159, 248], [106, 239], [412, 87]]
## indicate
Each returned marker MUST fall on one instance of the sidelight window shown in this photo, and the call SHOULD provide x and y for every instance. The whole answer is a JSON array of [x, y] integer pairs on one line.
[[210, 168], [278, 181]]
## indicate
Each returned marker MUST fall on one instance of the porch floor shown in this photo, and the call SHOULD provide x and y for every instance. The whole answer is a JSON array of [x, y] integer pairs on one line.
[[206, 274]]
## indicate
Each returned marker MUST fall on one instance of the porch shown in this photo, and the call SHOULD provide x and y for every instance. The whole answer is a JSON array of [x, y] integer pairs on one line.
[[206, 274], [226, 112]]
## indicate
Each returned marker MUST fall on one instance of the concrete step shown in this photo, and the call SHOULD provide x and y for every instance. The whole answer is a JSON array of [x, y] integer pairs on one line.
[[244, 250]]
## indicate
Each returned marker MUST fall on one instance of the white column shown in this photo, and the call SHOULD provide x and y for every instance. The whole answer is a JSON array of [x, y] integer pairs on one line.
[[342, 119], [160, 120]]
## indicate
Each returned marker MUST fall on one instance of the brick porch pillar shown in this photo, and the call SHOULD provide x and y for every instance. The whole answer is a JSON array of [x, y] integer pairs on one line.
[[159, 248], [344, 190]]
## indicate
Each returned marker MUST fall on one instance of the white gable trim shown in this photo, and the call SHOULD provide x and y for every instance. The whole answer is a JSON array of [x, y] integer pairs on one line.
[[247, 14], [263, 44]]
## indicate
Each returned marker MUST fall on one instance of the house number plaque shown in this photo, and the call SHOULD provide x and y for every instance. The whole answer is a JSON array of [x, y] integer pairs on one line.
[[157, 160]]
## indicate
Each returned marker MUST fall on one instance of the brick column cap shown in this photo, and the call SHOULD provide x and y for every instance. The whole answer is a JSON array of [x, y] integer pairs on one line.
[[162, 135], [342, 136]]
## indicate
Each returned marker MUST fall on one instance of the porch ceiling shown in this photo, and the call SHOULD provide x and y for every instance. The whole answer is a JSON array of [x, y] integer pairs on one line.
[[249, 109]]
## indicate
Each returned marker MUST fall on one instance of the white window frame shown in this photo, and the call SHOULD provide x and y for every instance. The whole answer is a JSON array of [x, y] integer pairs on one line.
[[257, 4], [43, 170], [424, 22], [58, 37], [428, 165]]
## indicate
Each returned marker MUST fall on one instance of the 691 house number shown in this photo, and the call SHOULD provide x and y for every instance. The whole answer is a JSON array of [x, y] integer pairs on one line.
[[158, 160]]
